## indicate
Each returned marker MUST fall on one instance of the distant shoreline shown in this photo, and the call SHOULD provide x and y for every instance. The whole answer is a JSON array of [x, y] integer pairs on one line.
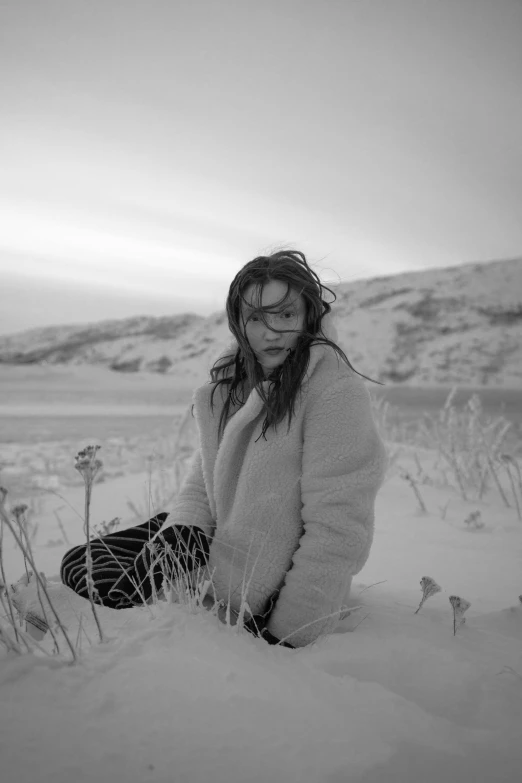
[[64, 410], [494, 399]]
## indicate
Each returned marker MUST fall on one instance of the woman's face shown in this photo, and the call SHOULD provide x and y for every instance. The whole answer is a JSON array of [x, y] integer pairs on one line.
[[271, 347]]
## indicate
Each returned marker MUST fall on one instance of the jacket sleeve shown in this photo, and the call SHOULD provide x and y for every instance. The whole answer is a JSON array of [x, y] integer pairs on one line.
[[191, 506], [343, 467]]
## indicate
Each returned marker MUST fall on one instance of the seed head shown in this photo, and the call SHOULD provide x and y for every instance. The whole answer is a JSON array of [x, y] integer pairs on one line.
[[19, 512], [86, 463], [429, 587], [460, 606]]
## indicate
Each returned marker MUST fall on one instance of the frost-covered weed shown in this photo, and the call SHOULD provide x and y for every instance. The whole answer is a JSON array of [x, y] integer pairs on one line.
[[23, 541], [470, 447], [105, 528], [474, 520], [429, 587], [469, 443], [459, 606], [407, 476], [88, 465]]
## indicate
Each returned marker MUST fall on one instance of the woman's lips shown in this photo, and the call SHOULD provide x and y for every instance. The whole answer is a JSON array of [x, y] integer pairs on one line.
[[272, 351]]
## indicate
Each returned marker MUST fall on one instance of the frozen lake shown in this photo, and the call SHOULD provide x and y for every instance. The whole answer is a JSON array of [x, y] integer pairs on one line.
[[39, 404]]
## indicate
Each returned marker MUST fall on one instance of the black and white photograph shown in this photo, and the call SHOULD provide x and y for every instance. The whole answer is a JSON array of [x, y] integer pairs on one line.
[[261, 391]]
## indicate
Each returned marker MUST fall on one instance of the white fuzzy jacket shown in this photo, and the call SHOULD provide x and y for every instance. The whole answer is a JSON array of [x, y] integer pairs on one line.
[[291, 517]]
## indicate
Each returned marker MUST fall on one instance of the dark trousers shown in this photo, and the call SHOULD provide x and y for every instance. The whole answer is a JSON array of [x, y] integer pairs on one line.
[[125, 571]]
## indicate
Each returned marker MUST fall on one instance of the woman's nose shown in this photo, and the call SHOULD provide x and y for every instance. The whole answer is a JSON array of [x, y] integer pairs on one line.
[[272, 322]]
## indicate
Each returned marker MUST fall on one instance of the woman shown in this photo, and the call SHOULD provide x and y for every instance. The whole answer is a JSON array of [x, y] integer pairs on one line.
[[279, 499]]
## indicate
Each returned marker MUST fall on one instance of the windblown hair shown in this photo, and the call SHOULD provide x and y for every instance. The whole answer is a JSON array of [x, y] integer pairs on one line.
[[240, 371]]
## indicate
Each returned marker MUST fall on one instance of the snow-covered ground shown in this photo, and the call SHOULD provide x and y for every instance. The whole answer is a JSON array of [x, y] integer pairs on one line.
[[393, 696]]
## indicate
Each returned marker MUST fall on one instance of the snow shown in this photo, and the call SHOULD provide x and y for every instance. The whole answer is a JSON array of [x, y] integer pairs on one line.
[[178, 696]]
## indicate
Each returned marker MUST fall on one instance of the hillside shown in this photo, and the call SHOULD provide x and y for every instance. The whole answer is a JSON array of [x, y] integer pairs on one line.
[[444, 326]]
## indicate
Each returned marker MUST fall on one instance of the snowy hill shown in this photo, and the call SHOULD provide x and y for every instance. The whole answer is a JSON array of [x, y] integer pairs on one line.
[[455, 325]]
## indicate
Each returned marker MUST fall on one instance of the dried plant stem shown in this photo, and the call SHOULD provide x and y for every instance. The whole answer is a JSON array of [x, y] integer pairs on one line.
[[2, 573], [497, 481], [23, 533], [510, 670], [80, 630], [33, 643], [42, 585], [90, 582], [515, 463], [136, 586], [413, 484], [79, 634], [11, 645], [62, 529], [25, 566], [453, 461], [483, 480], [372, 585], [9, 614], [25, 636], [360, 621], [513, 488]]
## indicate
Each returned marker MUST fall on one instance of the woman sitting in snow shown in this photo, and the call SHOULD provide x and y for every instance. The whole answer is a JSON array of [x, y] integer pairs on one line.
[[278, 503]]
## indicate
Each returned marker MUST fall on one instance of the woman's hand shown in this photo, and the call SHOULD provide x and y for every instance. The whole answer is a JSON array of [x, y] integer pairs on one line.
[[222, 615], [221, 612]]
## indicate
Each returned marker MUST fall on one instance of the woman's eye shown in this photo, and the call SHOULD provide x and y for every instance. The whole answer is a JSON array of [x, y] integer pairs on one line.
[[285, 316]]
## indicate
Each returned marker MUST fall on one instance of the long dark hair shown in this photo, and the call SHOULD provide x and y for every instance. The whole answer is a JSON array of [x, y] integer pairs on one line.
[[240, 371]]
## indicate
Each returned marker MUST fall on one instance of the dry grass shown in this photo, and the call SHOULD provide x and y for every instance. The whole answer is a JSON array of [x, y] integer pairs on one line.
[[24, 543], [471, 458], [475, 454]]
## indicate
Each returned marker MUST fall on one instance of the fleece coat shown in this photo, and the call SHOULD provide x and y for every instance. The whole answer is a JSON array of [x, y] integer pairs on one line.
[[291, 517]]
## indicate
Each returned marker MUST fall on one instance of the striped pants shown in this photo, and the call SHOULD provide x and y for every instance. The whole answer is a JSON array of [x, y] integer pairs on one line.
[[125, 571]]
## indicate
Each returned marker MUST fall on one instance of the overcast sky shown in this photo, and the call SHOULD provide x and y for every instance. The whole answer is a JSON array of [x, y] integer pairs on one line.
[[149, 149]]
